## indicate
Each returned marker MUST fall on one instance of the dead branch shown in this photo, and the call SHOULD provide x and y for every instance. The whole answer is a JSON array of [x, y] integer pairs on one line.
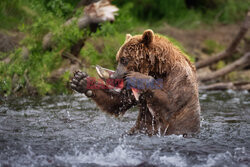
[[67, 66], [94, 13], [227, 85], [240, 63], [72, 58], [232, 47]]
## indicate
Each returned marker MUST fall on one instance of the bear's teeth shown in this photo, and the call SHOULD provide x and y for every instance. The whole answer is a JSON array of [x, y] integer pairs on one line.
[[136, 93], [103, 72]]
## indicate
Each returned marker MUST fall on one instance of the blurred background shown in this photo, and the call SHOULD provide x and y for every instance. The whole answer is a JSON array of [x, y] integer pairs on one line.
[[43, 41]]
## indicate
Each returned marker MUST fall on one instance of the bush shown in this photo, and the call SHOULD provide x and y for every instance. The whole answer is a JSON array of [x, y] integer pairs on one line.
[[11, 14], [36, 69], [186, 12]]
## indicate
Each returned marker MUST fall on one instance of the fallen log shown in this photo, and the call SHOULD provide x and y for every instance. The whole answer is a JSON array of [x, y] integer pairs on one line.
[[226, 86], [240, 63], [232, 47]]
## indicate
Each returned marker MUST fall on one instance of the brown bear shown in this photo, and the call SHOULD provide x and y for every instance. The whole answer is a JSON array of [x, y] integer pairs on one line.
[[172, 108]]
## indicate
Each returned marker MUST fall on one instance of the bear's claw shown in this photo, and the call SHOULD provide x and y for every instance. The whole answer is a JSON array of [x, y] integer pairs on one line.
[[80, 75], [79, 82]]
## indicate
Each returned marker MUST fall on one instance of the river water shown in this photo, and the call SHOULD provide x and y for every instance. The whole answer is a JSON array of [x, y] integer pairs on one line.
[[71, 131]]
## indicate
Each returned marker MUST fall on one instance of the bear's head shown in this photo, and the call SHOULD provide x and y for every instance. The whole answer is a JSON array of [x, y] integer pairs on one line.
[[146, 53]]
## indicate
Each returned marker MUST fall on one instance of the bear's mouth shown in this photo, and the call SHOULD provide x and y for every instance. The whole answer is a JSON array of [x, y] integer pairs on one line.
[[114, 84]]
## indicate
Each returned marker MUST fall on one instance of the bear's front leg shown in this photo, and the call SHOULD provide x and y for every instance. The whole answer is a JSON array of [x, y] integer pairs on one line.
[[149, 120], [107, 100], [145, 122]]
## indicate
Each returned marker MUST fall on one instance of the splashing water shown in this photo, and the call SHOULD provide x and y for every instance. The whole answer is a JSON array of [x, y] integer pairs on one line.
[[71, 131]]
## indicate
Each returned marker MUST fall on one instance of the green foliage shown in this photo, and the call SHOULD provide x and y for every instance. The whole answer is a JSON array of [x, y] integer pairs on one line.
[[11, 13], [37, 68], [231, 10], [60, 8], [3, 55], [66, 36], [220, 65], [152, 10], [124, 23], [5, 84], [8, 71], [186, 12], [102, 50], [14, 13], [211, 46]]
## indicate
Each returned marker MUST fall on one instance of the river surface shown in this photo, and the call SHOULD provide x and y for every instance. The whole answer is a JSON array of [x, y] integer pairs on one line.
[[72, 131]]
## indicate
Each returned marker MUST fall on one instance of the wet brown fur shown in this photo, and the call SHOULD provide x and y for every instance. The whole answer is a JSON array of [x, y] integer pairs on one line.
[[176, 106]]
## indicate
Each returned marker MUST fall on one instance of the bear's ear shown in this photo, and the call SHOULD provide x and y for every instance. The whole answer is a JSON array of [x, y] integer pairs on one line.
[[128, 36], [147, 37]]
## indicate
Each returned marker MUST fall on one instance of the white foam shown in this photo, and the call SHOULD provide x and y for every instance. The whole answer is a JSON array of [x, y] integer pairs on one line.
[[80, 96], [119, 156], [169, 160], [225, 158], [203, 97], [175, 160]]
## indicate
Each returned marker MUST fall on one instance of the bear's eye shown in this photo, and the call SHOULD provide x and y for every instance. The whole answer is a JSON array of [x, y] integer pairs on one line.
[[124, 61]]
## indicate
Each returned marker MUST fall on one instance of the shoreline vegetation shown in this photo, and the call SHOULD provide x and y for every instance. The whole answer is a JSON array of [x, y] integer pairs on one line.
[[43, 42]]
